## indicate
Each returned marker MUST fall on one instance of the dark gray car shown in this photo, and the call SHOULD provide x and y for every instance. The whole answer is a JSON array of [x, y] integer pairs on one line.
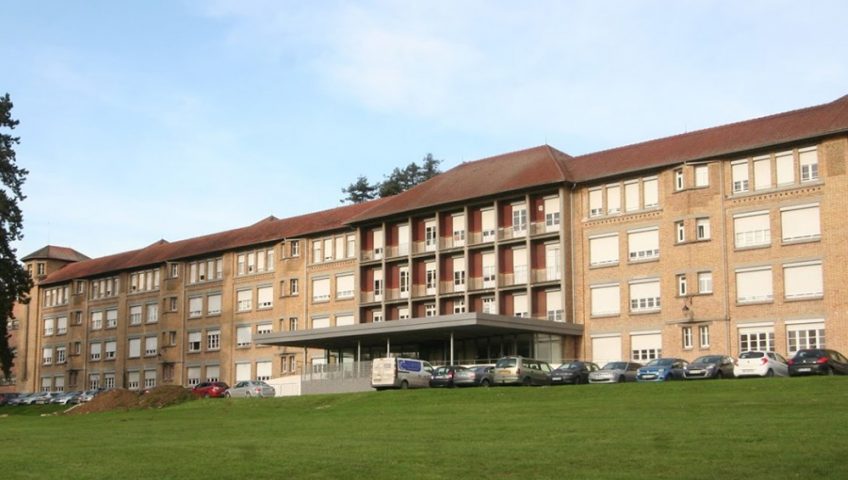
[[709, 366], [479, 376]]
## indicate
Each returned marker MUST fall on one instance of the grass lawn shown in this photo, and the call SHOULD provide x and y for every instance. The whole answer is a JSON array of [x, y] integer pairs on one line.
[[731, 429]]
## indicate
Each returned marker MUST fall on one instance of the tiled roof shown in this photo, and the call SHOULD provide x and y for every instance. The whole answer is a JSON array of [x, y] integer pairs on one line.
[[716, 142], [267, 230], [533, 167], [52, 252]]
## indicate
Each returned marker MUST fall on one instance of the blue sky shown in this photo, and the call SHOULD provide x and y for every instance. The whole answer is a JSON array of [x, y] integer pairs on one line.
[[143, 120]]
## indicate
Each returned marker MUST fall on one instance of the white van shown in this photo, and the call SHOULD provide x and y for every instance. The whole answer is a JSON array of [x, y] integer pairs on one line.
[[400, 373]]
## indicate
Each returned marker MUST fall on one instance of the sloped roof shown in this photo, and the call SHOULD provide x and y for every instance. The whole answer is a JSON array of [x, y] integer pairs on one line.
[[52, 252], [536, 166], [715, 142], [267, 230]]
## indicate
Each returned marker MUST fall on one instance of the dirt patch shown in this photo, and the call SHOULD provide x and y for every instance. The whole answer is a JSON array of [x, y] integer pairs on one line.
[[121, 399]]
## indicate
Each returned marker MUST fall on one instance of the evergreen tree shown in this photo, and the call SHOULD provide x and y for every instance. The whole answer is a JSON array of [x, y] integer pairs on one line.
[[360, 191], [15, 282], [400, 180]]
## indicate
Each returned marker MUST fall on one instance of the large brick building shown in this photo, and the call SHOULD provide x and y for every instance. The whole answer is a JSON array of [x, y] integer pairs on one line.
[[715, 241]]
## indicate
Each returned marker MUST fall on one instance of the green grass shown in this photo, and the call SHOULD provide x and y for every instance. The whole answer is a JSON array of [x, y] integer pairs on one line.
[[770, 428]]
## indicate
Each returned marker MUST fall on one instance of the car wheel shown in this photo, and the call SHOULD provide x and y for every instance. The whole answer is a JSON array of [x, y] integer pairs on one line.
[[830, 372], [227, 394], [622, 379], [484, 383], [526, 382], [770, 373], [404, 385], [719, 375]]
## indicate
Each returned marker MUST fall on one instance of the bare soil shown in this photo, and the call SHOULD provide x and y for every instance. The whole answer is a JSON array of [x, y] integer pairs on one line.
[[121, 399]]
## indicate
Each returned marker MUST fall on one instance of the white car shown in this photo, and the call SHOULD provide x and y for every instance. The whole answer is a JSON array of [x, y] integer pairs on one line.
[[760, 364]]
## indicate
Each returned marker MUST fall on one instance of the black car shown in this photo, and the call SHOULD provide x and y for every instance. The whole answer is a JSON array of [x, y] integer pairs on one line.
[[575, 373], [479, 376], [443, 376], [818, 361], [709, 366]]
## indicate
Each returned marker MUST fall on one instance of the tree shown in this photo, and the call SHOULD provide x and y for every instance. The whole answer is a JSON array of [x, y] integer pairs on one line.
[[360, 191], [15, 282], [400, 180]]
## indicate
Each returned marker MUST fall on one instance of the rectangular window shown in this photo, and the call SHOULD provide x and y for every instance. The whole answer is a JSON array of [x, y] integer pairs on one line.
[[752, 229], [785, 163], [320, 322], [213, 373], [244, 300], [320, 290], [93, 381], [134, 350], [805, 335], [264, 328], [682, 290], [553, 303], [458, 306], [346, 319], [762, 173], [61, 325], [193, 341], [800, 223], [295, 248], [803, 280], [404, 282], [265, 297], [704, 334], [351, 246], [294, 287], [809, 163], [60, 355], [489, 306], [651, 187], [680, 232], [195, 307], [739, 172], [292, 324], [596, 202], [263, 371], [458, 274], [111, 318], [48, 326], [754, 285], [344, 286], [757, 339], [488, 224], [316, 251], [603, 250], [632, 196], [242, 372], [702, 175], [702, 229], [111, 349], [328, 249], [151, 346], [213, 339], [430, 278], [378, 285], [519, 305], [135, 314], [705, 282], [95, 351], [552, 213], [606, 299], [213, 304], [613, 199], [243, 335], [519, 219], [645, 296], [458, 221], [645, 347], [679, 184], [687, 337], [47, 356], [643, 244], [192, 376], [96, 320], [149, 378], [430, 309]]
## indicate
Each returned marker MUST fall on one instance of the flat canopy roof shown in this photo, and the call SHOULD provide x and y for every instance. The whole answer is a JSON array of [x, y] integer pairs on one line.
[[417, 330]]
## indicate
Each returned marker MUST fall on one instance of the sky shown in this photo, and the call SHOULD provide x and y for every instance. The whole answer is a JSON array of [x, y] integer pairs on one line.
[[143, 120]]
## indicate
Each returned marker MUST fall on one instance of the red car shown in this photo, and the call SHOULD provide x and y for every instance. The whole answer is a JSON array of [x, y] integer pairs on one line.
[[210, 389]]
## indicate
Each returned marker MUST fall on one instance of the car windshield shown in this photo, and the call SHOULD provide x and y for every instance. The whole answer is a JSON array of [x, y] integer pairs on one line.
[[660, 362], [506, 363], [708, 359], [615, 366], [746, 355], [568, 365], [810, 354]]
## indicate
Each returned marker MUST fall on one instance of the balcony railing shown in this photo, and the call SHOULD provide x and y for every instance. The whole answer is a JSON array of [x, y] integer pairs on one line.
[[547, 274], [369, 297], [515, 231], [424, 246], [423, 290], [451, 287], [375, 254], [517, 277]]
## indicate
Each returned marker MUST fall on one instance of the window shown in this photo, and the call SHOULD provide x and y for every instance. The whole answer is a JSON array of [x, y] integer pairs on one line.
[[351, 246], [752, 229], [320, 290], [645, 346], [96, 320], [243, 336], [265, 297], [702, 175], [487, 224], [40, 268], [111, 348], [519, 219], [242, 372], [55, 296], [104, 288], [60, 355], [680, 231], [800, 223], [805, 334], [192, 376], [95, 350], [294, 248], [244, 300], [705, 282], [171, 304], [134, 350], [429, 236], [702, 229], [213, 304], [193, 341], [681, 286], [458, 221], [77, 316], [213, 339], [144, 281], [458, 274], [679, 184], [328, 249], [93, 381], [704, 334], [430, 309], [519, 305], [553, 304], [263, 370], [785, 163], [754, 285], [430, 278], [47, 356], [378, 285], [489, 306], [346, 319], [294, 287], [458, 305], [809, 163], [758, 339], [292, 324], [321, 322], [596, 202], [153, 312], [316, 251], [210, 269], [173, 270], [151, 346], [377, 316], [135, 314], [195, 307], [643, 244], [403, 313], [762, 173], [650, 185], [803, 280], [111, 318], [213, 373], [739, 173], [48, 326], [344, 286], [613, 199], [632, 196], [645, 296], [603, 250], [687, 337], [552, 213], [606, 299], [149, 378]]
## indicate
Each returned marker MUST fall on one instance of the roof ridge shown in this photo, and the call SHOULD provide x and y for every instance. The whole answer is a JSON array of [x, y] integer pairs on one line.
[[717, 127], [563, 170]]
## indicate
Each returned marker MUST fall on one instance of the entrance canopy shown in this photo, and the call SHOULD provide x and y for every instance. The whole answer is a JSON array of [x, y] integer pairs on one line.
[[417, 330]]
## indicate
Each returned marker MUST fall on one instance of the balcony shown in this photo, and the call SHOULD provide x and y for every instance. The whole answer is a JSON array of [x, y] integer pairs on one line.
[[547, 274], [515, 231], [423, 290], [539, 228], [476, 238], [451, 242], [517, 277], [424, 246], [400, 250], [370, 297], [451, 287], [375, 254]]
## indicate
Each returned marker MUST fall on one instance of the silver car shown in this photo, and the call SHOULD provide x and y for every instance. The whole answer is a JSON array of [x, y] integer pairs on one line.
[[250, 388], [615, 372]]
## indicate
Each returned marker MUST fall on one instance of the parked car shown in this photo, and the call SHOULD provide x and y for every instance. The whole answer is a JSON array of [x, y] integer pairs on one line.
[[18, 400], [575, 373], [250, 388], [210, 389], [89, 395], [6, 397], [615, 372], [444, 376], [480, 375], [760, 364], [661, 370], [32, 398], [818, 361], [403, 373], [66, 398], [709, 366], [522, 371]]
